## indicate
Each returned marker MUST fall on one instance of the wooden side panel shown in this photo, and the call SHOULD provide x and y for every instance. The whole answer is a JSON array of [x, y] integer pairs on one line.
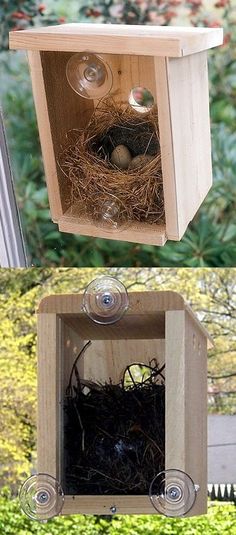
[[66, 111], [190, 127], [196, 410], [49, 393], [71, 345], [45, 133], [175, 390], [186, 401], [167, 149]]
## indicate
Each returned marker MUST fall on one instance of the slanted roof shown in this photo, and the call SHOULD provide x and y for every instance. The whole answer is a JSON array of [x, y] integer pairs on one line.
[[145, 40]]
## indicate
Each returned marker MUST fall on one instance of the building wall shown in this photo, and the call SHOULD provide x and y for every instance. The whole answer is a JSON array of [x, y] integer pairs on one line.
[[221, 455]]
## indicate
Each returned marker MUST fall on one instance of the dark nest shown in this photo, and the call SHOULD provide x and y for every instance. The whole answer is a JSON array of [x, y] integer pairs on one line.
[[115, 433], [85, 162]]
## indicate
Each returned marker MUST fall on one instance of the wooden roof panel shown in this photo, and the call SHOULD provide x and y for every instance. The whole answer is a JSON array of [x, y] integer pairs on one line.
[[168, 41]]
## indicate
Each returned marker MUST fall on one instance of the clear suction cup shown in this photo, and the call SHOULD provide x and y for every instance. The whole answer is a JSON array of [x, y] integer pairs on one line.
[[105, 300], [173, 493], [109, 212], [89, 75], [41, 497]]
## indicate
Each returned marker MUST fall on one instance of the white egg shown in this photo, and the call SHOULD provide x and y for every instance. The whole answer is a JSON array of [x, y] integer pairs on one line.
[[140, 161], [121, 157]]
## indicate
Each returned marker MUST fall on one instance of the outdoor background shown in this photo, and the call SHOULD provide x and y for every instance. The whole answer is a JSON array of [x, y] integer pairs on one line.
[[212, 295], [211, 237]]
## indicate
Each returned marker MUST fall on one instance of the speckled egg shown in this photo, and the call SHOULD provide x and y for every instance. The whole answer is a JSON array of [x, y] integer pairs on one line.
[[140, 161], [121, 157]]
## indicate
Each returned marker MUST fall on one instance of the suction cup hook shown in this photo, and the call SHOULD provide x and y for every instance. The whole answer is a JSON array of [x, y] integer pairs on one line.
[[41, 497], [89, 75], [105, 300], [173, 493], [109, 212]]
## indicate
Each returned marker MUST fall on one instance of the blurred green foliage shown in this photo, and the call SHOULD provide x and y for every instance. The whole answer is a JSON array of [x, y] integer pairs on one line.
[[220, 519], [19, 14], [211, 237]]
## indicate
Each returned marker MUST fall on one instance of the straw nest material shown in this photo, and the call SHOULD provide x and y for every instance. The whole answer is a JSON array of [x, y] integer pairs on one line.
[[86, 166], [115, 433]]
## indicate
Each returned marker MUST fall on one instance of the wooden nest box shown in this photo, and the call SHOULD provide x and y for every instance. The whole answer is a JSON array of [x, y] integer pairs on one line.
[[156, 324], [171, 63]]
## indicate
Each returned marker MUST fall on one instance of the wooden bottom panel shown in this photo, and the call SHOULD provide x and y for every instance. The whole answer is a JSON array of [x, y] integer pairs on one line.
[[101, 505], [72, 222]]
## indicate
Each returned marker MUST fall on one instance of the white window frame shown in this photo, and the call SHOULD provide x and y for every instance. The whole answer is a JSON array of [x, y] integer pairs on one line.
[[12, 247]]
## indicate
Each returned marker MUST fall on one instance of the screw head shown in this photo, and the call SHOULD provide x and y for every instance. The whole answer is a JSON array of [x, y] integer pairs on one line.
[[113, 509], [42, 497], [174, 493], [107, 299]]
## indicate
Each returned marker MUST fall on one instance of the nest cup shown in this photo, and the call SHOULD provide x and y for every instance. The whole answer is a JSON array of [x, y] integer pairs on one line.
[[91, 178], [114, 434]]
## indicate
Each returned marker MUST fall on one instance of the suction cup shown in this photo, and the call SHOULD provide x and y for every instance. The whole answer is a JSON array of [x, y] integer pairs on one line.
[[41, 497], [105, 300], [89, 75], [173, 493], [109, 212]]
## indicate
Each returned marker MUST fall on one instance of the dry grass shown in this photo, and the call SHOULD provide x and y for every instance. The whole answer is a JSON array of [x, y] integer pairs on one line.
[[92, 178]]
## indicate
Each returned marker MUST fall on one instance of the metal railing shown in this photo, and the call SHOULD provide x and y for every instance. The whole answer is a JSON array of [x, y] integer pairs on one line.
[[222, 492]]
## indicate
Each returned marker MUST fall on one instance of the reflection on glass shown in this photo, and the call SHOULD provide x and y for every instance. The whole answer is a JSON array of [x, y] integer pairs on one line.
[[141, 99]]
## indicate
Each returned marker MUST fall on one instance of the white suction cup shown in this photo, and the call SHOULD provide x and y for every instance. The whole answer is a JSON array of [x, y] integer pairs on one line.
[[41, 497], [89, 75], [173, 493], [109, 212], [105, 300]]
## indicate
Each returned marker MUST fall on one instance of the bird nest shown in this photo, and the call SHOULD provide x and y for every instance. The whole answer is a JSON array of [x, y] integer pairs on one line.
[[114, 433], [91, 176]]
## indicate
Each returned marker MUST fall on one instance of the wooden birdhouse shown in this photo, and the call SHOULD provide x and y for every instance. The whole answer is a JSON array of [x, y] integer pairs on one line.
[[157, 325], [157, 81]]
